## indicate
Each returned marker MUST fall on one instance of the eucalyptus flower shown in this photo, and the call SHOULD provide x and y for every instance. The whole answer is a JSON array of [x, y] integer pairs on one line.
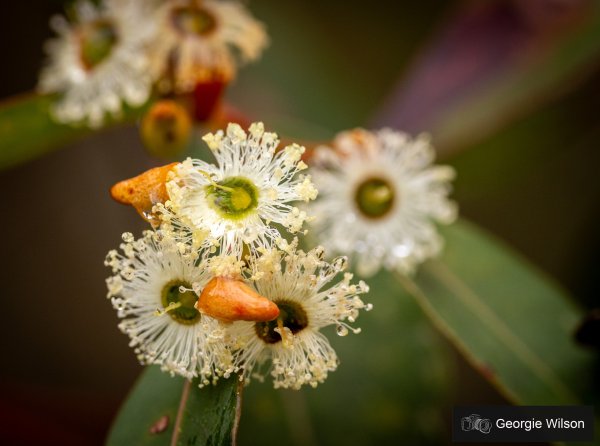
[[154, 289], [237, 201], [203, 40], [99, 61], [380, 197], [292, 348]]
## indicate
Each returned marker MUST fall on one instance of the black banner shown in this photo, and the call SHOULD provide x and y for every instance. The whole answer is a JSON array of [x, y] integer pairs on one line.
[[494, 424]]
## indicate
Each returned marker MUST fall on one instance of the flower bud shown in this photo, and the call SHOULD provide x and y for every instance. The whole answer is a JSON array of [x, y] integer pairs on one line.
[[166, 129]]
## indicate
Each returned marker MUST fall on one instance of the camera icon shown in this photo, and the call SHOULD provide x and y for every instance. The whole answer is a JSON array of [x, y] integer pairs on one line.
[[475, 422]]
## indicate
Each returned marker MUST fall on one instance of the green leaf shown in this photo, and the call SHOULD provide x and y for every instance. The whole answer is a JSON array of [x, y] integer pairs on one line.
[[525, 87], [510, 322], [162, 410], [27, 130], [305, 103]]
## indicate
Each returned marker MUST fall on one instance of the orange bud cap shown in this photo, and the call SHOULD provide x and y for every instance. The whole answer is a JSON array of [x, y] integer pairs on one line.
[[144, 191], [232, 300]]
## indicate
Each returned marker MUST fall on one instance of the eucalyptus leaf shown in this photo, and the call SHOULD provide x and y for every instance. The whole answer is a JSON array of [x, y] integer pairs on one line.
[[28, 131], [523, 88], [508, 320], [165, 410], [462, 92]]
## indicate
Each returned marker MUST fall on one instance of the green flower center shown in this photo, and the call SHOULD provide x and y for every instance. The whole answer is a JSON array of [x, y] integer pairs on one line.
[[375, 197], [233, 198], [97, 40], [193, 20], [291, 315], [180, 305]]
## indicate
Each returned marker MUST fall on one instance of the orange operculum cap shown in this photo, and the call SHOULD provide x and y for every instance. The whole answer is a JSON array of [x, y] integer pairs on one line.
[[144, 191], [231, 300]]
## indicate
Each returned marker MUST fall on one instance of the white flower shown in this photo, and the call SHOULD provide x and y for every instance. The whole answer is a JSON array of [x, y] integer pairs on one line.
[[301, 286], [154, 289], [201, 40], [237, 201], [99, 61], [379, 196]]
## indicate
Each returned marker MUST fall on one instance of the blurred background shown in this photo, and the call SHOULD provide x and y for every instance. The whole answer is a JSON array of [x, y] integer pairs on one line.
[[509, 91]]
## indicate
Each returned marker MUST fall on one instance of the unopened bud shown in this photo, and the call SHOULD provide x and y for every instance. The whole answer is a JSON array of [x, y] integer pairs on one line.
[[166, 129]]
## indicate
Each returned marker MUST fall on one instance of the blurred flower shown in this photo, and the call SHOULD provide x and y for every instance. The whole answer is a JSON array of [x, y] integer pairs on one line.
[[237, 201], [379, 195], [197, 41], [154, 289], [300, 284], [99, 61]]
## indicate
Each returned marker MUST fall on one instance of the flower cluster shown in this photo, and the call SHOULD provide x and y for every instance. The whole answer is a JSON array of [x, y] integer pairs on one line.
[[215, 289], [118, 51]]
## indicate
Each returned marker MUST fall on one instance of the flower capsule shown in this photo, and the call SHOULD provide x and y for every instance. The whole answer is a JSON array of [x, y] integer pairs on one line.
[[166, 129]]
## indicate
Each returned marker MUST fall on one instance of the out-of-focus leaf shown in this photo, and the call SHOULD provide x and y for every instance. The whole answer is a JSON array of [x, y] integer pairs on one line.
[[393, 381], [514, 326], [162, 410], [330, 84], [492, 63], [27, 130]]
